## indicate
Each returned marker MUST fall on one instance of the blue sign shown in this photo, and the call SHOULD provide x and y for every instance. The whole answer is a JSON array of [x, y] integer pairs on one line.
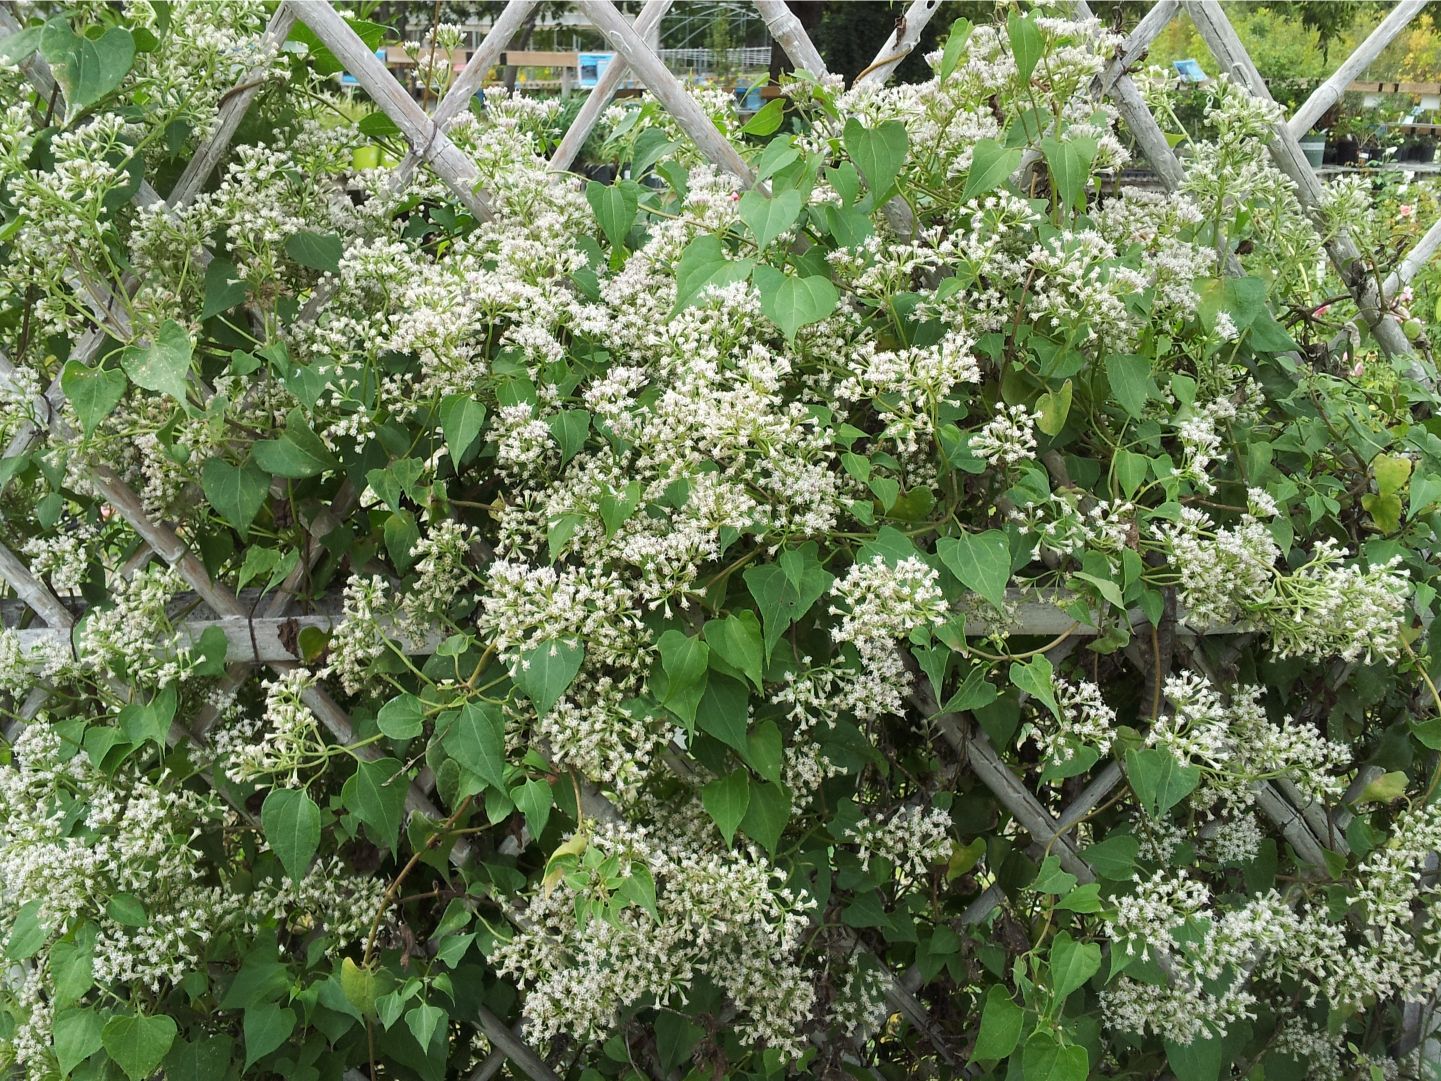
[[592, 66], [1189, 70]]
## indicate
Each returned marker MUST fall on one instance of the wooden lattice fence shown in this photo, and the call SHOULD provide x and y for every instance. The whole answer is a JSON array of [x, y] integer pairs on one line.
[[260, 631]]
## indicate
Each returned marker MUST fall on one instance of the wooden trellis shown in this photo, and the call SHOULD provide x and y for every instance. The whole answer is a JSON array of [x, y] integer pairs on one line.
[[257, 633]]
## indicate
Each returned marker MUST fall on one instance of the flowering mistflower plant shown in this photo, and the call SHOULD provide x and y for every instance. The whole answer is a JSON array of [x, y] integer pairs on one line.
[[904, 605]]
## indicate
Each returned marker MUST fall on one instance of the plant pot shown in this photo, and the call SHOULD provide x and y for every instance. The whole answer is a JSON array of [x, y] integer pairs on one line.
[[1344, 151], [1314, 147], [1417, 150]]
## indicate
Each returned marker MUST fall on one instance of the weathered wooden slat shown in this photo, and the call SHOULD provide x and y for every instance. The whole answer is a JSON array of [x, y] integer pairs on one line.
[[1211, 20], [450, 163], [599, 97], [791, 36], [1329, 92], [666, 88], [233, 107], [901, 43]]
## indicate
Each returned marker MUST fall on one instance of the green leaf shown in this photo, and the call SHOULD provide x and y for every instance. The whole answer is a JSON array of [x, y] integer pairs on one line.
[[975, 692], [360, 985], [1072, 963], [76, 1036], [143, 720], [1037, 678], [614, 207], [1114, 858], [1203, 1058], [1070, 164], [1391, 472], [87, 69], [461, 419], [1084, 899], [1425, 491], [291, 820], [1386, 788], [318, 251], [675, 1034], [237, 492], [27, 933], [476, 739], [94, 392], [72, 964], [980, 561], [737, 641], [1053, 878], [879, 153], [726, 799], [956, 40], [1131, 385], [1054, 407], [298, 452], [723, 711], [127, 910], [791, 301], [570, 428], [19, 45], [787, 589], [991, 165], [1043, 1059], [545, 672], [423, 1020], [205, 1059], [403, 717], [375, 794], [209, 653], [266, 1026], [765, 750], [768, 218], [1001, 1021], [704, 264], [224, 288], [1027, 46], [164, 364], [138, 1043], [767, 814], [534, 799], [1159, 780], [1385, 511], [767, 120], [684, 661]]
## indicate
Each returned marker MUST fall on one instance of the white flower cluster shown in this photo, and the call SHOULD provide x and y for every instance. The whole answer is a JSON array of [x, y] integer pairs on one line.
[[1385, 949], [1086, 721], [882, 603], [134, 639], [720, 915], [1238, 745], [117, 855], [1326, 608], [275, 745], [1060, 525], [912, 839], [1008, 438]]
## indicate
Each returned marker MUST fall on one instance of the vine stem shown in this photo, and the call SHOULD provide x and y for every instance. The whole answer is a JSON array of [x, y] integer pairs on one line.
[[1435, 780], [394, 888]]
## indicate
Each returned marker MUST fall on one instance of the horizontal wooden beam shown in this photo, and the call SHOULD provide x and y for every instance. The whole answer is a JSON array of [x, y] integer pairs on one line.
[[270, 637], [523, 58]]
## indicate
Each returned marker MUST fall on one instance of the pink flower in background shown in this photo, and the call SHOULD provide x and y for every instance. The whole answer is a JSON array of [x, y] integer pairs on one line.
[[1406, 210]]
